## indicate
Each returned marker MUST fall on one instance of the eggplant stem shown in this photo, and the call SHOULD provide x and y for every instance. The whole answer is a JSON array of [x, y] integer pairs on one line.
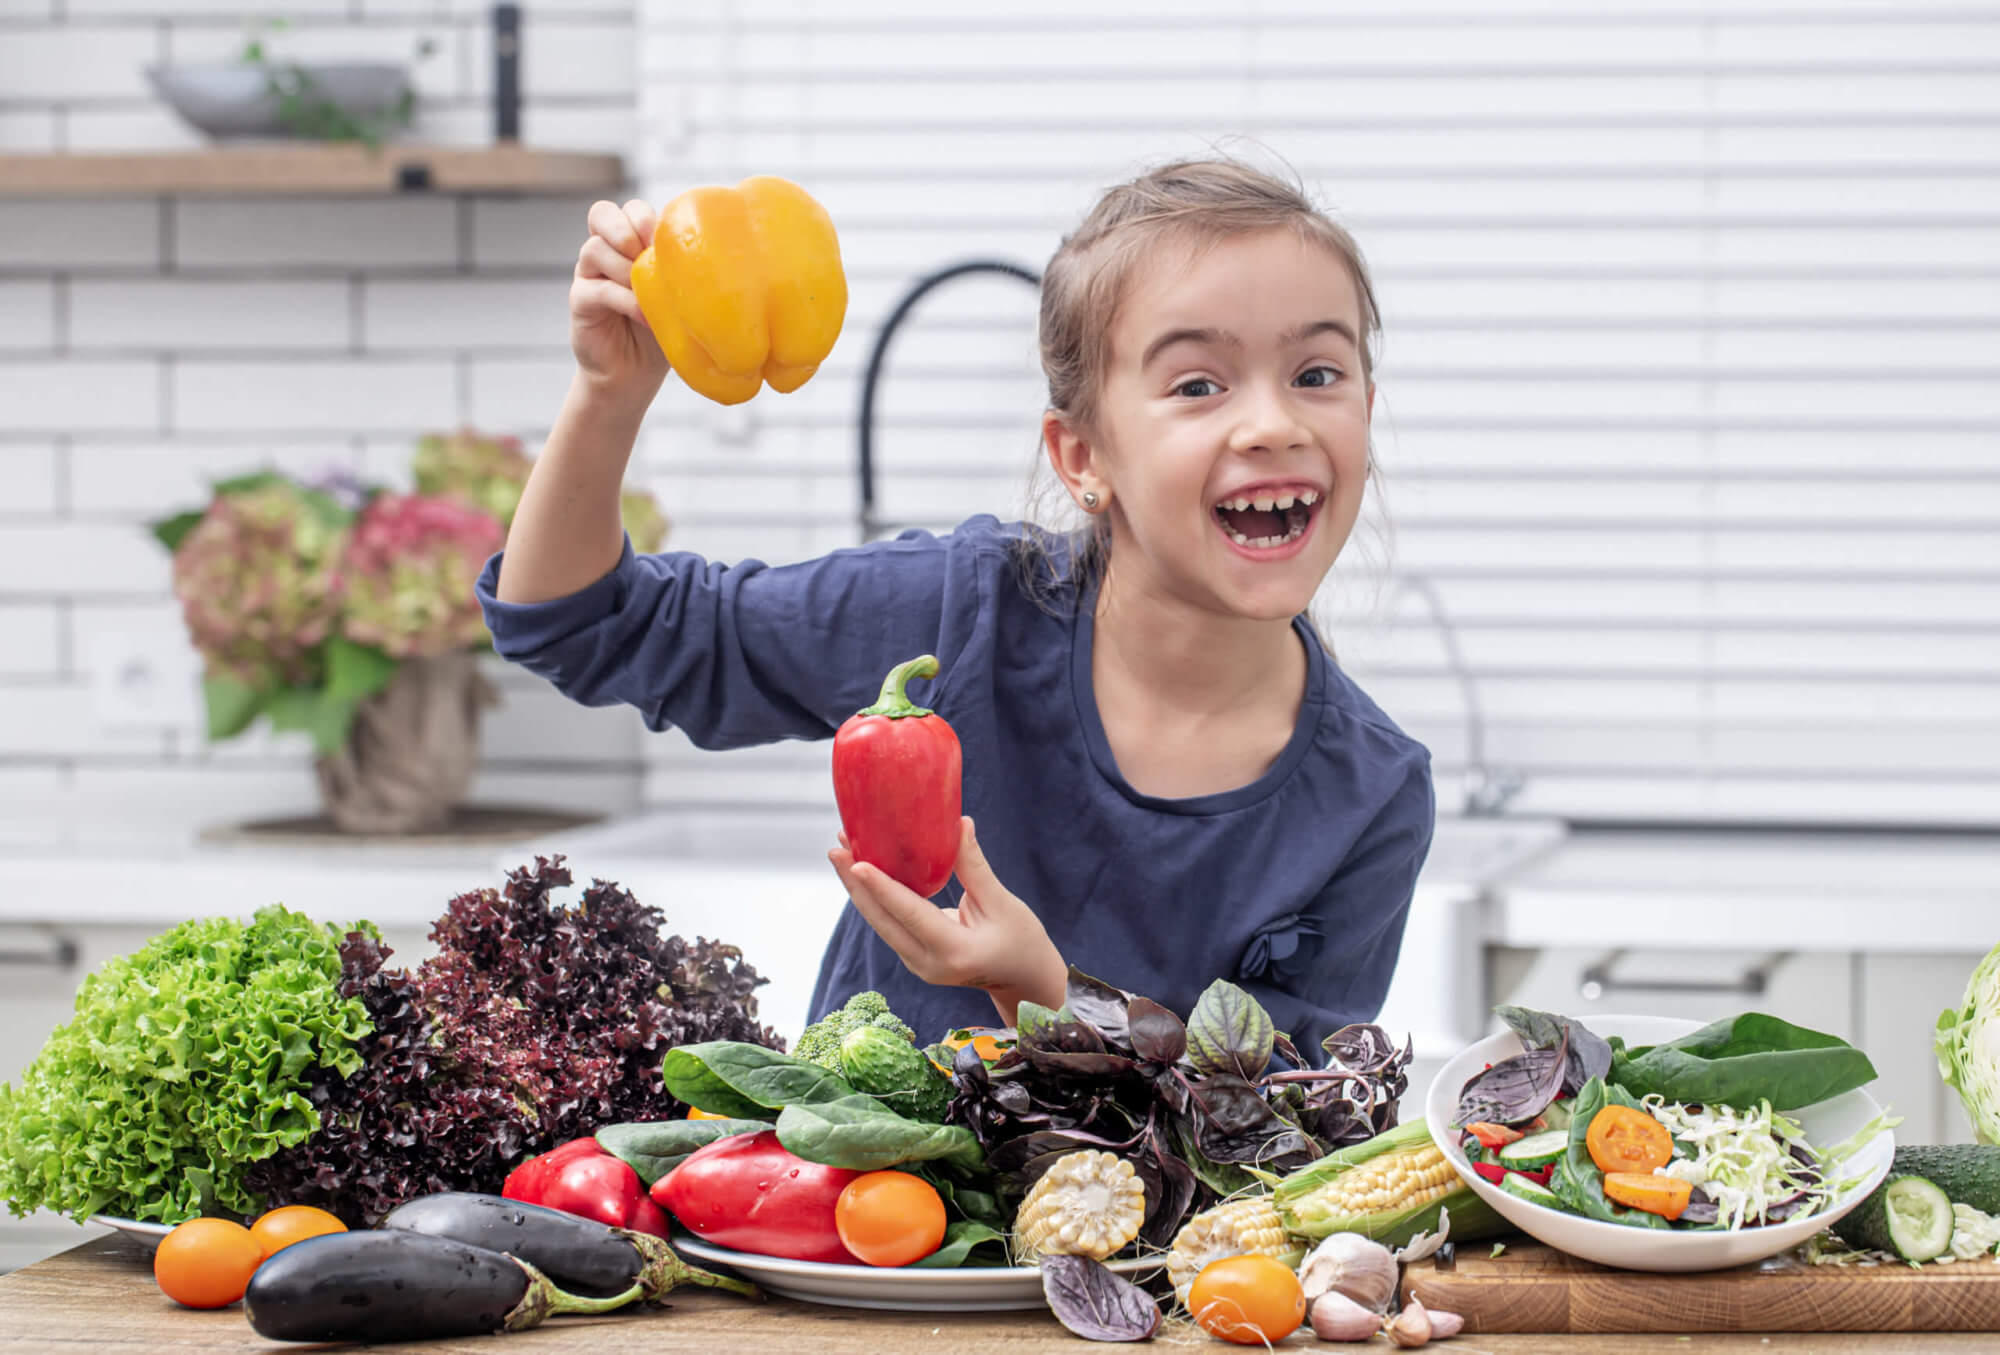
[[663, 1269], [543, 1300]]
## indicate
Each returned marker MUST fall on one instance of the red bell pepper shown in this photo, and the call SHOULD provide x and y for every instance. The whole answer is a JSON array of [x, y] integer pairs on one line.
[[896, 779], [581, 1178], [747, 1193]]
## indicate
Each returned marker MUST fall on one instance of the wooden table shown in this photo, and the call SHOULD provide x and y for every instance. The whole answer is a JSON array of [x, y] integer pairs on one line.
[[100, 1296]]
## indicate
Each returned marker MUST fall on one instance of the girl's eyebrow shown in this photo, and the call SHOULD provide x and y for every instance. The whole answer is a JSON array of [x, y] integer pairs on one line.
[[1311, 329]]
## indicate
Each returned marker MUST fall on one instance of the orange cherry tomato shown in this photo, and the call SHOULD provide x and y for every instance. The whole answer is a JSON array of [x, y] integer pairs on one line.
[[697, 1113], [889, 1218], [1249, 1300], [1666, 1196], [1622, 1139], [206, 1263], [291, 1223]]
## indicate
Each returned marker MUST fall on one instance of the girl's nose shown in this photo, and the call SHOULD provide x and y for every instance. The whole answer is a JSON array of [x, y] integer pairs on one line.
[[1267, 422]]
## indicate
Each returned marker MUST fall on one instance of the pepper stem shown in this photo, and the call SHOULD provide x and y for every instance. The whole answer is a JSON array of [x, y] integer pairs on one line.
[[894, 702], [543, 1300], [663, 1269]]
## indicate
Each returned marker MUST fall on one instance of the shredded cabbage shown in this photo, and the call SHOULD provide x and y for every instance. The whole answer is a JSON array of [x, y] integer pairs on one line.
[[1968, 1048], [1742, 1160]]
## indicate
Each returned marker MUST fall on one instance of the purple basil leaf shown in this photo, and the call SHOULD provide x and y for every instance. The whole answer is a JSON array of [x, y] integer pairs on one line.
[[1170, 1188], [1589, 1055], [1095, 1303], [1157, 1034], [1515, 1090], [1098, 1003], [1230, 1032], [1081, 1065], [1700, 1209]]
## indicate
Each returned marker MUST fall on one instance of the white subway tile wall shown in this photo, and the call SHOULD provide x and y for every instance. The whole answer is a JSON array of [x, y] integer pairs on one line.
[[149, 346], [1688, 403]]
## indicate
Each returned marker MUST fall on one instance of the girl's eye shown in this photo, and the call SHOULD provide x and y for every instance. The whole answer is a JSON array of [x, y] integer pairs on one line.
[[1189, 388], [1327, 375]]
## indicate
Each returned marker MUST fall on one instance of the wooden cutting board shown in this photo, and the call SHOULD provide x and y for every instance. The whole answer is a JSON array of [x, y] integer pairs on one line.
[[1533, 1288]]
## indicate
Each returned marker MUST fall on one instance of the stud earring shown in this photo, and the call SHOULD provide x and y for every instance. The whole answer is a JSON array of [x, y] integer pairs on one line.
[[1089, 498]]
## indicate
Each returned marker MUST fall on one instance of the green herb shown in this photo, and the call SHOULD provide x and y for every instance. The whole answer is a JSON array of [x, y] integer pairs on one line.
[[860, 1133], [1229, 1032], [746, 1081], [1498, 1248], [656, 1148], [961, 1238], [185, 1062], [1576, 1179], [1743, 1060]]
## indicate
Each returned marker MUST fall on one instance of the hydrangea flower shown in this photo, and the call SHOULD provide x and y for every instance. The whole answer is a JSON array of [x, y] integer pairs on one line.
[[259, 583], [409, 571]]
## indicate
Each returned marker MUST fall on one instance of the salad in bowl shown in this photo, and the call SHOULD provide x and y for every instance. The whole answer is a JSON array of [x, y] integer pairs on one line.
[[1659, 1144]]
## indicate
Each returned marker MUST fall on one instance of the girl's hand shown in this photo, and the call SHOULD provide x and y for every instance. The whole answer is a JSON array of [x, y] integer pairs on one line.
[[615, 349], [992, 940]]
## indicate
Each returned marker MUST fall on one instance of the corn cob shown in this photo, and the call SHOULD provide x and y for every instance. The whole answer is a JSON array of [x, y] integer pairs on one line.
[[1238, 1228], [1086, 1204], [1389, 1189]]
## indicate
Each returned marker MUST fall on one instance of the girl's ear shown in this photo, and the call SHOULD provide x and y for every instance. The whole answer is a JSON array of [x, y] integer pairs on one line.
[[1072, 458]]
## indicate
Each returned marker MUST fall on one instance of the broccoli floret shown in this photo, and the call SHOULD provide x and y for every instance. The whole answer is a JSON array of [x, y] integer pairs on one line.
[[820, 1042]]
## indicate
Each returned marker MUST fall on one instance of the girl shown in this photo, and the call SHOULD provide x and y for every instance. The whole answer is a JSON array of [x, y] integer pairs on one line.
[[1166, 768]]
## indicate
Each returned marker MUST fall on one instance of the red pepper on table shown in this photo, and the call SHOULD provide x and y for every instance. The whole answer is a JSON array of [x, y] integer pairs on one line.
[[747, 1193], [896, 770], [581, 1178]]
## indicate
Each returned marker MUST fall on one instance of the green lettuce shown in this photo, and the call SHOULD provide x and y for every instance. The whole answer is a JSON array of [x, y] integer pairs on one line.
[[1968, 1048], [185, 1061]]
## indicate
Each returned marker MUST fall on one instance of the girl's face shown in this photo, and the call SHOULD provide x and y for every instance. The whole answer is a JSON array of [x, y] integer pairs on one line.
[[1232, 431]]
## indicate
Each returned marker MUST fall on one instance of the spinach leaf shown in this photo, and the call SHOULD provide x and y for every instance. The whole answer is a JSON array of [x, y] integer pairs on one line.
[[860, 1133], [745, 1081], [1230, 1032], [655, 1149], [960, 1240], [1742, 1060], [1589, 1055], [973, 1203], [1582, 1186]]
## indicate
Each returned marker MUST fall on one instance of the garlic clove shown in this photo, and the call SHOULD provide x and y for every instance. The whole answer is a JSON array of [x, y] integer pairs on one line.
[[1411, 1327], [1336, 1317], [1444, 1326], [1356, 1267]]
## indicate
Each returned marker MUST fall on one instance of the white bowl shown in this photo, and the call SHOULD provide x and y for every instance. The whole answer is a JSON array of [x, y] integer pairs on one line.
[[1826, 1123]]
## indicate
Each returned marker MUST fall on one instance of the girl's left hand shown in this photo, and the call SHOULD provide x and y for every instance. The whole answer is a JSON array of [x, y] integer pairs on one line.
[[992, 940]]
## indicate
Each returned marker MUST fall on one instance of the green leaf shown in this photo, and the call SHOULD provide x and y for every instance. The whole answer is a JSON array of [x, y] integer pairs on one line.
[[171, 531], [231, 703], [960, 1240], [967, 1201], [861, 1134], [356, 672], [655, 1149], [243, 484], [1230, 1032], [1033, 1020], [745, 1081], [316, 712], [1582, 1186], [1742, 1060]]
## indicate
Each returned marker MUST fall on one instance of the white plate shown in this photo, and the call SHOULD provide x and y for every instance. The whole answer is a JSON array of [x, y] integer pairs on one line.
[[146, 1234], [909, 1288], [1826, 1123]]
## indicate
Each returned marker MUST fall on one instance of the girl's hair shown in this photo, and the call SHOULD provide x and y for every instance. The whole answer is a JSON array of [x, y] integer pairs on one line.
[[1182, 206]]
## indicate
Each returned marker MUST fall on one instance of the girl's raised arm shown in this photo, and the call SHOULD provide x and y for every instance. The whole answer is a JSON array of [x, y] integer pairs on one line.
[[567, 532]]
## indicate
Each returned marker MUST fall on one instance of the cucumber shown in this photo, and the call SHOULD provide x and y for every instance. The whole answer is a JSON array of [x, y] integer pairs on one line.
[[1907, 1215], [1968, 1173], [1536, 1150], [1531, 1190], [1559, 1114]]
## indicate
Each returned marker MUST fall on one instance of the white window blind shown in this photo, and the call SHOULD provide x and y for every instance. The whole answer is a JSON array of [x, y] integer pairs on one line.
[[1688, 412]]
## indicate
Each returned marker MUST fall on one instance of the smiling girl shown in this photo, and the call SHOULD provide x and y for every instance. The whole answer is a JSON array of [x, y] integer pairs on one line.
[[1168, 771]]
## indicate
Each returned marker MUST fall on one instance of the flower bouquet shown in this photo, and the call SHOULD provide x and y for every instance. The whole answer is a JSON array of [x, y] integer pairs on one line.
[[346, 611]]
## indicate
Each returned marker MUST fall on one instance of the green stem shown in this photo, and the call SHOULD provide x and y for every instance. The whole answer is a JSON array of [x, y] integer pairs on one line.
[[543, 1300], [894, 702], [663, 1269]]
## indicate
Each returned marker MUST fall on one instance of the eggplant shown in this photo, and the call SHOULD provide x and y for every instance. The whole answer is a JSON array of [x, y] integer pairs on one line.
[[397, 1285], [580, 1255]]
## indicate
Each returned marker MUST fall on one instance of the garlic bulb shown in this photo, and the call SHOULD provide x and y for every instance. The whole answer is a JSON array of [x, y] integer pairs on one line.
[[1336, 1317], [1444, 1326], [1353, 1266], [1411, 1327]]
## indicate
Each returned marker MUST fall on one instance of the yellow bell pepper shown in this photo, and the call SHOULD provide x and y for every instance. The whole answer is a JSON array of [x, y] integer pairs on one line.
[[743, 286]]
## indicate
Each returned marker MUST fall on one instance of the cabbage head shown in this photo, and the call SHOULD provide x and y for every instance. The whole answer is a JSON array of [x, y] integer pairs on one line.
[[1968, 1048]]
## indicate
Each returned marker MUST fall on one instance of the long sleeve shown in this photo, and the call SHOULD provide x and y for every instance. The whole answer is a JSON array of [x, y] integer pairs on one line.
[[739, 654], [1331, 965]]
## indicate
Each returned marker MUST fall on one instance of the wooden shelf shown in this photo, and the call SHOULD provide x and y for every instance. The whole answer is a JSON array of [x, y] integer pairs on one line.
[[308, 169]]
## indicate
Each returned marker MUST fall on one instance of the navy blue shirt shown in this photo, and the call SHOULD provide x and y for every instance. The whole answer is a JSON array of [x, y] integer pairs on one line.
[[1295, 886]]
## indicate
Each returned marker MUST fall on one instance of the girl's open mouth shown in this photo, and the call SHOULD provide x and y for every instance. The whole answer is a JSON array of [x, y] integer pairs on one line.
[[1267, 522]]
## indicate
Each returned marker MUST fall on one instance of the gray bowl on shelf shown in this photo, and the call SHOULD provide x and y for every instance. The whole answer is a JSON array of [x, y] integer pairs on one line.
[[236, 100]]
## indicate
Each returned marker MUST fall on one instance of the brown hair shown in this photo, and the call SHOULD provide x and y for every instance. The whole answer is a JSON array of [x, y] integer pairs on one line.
[[1190, 204]]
